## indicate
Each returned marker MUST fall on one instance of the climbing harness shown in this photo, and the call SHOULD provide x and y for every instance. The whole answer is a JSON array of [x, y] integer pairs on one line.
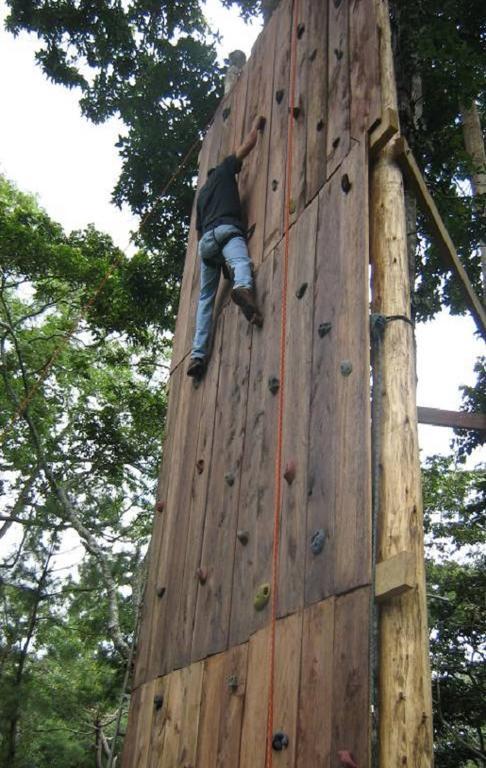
[[281, 394], [378, 324]]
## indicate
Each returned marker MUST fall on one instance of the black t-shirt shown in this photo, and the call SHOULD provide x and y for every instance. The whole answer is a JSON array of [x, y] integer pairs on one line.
[[219, 201]]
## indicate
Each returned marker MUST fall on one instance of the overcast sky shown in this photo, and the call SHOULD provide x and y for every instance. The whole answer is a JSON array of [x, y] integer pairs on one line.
[[47, 148]]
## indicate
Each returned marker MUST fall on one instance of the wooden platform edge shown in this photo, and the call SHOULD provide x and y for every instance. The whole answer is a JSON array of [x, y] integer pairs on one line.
[[404, 157], [455, 419]]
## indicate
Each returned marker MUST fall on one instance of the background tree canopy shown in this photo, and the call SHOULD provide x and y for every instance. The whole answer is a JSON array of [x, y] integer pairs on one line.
[[84, 458]]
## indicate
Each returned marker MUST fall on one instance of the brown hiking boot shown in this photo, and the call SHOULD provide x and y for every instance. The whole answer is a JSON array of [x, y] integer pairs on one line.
[[246, 301]]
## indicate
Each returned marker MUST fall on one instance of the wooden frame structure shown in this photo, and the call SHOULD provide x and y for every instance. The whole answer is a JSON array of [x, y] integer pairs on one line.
[[200, 685]]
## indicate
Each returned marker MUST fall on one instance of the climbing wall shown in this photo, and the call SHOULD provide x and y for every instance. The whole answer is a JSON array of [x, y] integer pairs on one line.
[[199, 695]]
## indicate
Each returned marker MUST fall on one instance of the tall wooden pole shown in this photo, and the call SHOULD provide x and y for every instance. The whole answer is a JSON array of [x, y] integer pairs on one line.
[[404, 686]]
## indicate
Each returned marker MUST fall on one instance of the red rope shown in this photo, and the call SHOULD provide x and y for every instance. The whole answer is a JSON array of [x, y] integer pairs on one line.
[[281, 394]]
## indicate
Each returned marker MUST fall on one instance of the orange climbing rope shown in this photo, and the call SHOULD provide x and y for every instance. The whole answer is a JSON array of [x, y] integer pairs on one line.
[[24, 403], [281, 393]]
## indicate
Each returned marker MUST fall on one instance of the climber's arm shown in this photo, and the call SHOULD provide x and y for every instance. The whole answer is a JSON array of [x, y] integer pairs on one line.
[[251, 139]]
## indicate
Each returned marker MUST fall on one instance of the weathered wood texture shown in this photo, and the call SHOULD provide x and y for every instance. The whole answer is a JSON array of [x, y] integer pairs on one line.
[[212, 714], [212, 543]]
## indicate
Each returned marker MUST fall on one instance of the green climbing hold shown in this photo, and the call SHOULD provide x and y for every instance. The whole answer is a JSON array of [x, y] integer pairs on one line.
[[262, 597]]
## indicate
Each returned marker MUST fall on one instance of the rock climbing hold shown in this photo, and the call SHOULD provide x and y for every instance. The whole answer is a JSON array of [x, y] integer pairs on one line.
[[160, 591], [346, 367], [338, 53], [313, 54], [279, 95], [292, 206], [290, 470], [346, 758], [233, 683], [301, 290], [160, 506], [280, 741], [226, 113], [243, 537], [317, 541], [336, 141], [337, 3], [230, 479], [273, 384], [274, 185], [300, 29], [200, 466], [296, 112], [262, 597], [158, 701], [202, 575], [324, 329], [345, 183], [320, 125]]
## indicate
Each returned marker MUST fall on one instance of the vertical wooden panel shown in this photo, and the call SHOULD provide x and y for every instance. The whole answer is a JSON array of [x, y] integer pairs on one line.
[[350, 722], [253, 177], [339, 460], [317, 15], [365, 68], [134, 721], [275, 182], [214, 597], [287, 673], [144, 726], [338, 115], [182, 723], [314, 739], [150, 599], [253, 561], [253, 736], [159, 721], [181, 601], [299, 344], [299, 123]]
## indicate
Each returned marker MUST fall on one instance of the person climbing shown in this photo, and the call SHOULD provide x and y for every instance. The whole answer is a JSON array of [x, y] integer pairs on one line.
[[222, 246]]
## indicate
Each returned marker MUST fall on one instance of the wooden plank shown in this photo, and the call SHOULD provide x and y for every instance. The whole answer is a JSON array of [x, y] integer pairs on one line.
[[211, 626], [144, 728], [298, 380], [299, 122], [211, 710], [253, 561], [314, 737], [253, 177], [192, 677], [233, 700], [317, 28], [275, 181], [150, 599], [395, 576], [351, 710], [338, 110], [403, 155], [288, 644], [130, 740], [339, 453], [159, 721], [253, 735], [456, 419], [386, 129], [181, 600], [364, 67]]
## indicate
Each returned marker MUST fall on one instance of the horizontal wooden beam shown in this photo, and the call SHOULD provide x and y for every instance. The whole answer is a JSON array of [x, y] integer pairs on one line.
[[438, 230], [455, 419], [395, 576], [386, 129]]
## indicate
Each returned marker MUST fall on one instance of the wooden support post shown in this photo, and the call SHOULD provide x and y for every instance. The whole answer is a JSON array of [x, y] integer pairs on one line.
[[404, 687], [455, 419]]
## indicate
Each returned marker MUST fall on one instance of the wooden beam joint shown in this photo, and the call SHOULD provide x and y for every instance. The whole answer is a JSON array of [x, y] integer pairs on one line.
[[395, 576], [382, 133]]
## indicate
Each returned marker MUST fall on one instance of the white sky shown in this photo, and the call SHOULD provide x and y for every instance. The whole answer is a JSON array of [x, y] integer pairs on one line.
[[47, 148]]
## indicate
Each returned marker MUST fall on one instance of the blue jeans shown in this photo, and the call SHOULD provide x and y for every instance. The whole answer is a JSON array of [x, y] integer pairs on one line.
[[212, 256]]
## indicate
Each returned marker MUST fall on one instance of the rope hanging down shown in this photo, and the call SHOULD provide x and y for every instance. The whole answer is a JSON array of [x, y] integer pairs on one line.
[[25, 402], [281, 393]]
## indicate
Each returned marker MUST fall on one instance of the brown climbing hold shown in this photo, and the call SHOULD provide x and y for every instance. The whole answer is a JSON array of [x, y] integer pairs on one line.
[[324, 329], [296, 112], [345, 184], [226, 113], [158, 701], [301, 290], [273, 384], [243, 537], [338, 53], [160, 591], [202, 575], [336, 141], [320, 125], [279, 95], [290, 471], [300, 29], [274, 185], [346, 758], [230, 479], [200, 466], [233, 683], [160, 506]]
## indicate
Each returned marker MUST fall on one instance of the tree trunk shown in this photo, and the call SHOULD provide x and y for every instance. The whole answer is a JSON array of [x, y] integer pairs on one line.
[[474, 143]]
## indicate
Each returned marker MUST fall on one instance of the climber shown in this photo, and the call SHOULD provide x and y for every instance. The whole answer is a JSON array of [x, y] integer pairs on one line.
[[222, 245]]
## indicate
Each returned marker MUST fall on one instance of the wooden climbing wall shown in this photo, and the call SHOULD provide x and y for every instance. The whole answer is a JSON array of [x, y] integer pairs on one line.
[[199, 695]]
